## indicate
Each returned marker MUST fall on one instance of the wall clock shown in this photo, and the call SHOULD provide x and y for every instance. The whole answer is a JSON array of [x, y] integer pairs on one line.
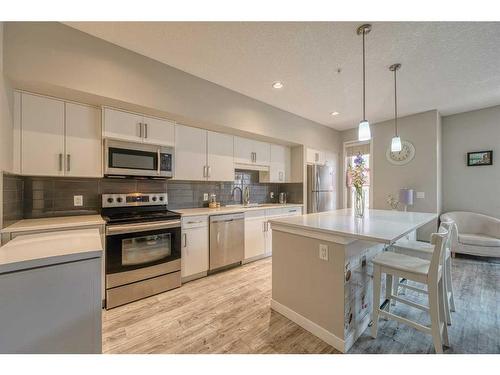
[[402, 157]]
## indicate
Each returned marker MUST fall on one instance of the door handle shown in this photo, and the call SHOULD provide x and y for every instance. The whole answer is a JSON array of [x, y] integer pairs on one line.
[[145, 130], [204, 171], [208, 171], [158, 162], [185, 240], [61, 162], [140, 130], [218, 237], [68, 162]]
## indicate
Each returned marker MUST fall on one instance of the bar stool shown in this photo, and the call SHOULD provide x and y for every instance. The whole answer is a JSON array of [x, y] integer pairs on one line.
[[419, 270], [425, 250]]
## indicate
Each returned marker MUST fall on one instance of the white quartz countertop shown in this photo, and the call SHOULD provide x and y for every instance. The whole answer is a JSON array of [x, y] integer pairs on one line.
[[45, 249], [378, 225], [54, 223], [229, 210]]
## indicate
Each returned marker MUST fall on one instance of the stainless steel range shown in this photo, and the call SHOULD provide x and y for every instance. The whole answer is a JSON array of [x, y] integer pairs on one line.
[[143, 246]]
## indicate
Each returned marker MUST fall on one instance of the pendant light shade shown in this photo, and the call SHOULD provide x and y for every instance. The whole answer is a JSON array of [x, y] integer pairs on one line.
[[396, 140], [364, 132], [396, 144]]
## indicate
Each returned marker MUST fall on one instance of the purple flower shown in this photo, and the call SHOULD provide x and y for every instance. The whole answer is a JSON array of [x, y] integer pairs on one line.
[[358, 160]]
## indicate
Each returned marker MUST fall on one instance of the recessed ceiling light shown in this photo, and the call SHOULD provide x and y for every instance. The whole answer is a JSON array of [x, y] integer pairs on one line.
[[334, 113], [278, 85]]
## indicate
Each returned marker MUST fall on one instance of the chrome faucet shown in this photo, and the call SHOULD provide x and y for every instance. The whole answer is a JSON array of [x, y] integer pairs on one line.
[[246, 196], [241, 193]]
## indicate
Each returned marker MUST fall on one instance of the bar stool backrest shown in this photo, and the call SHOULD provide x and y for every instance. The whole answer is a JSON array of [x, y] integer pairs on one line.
[[439, 241]]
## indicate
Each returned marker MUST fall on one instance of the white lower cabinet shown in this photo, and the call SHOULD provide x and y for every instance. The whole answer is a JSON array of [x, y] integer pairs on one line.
[[255, 233], [194, 250], [258, 233]]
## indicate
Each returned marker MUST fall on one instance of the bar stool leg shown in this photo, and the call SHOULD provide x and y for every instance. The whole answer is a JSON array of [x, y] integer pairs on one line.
[[376, 299], [434, 312], [443, 309], [449, 283], [389, 282]]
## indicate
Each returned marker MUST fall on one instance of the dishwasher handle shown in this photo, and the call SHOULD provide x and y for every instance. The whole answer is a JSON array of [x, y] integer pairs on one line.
[[226, 218]]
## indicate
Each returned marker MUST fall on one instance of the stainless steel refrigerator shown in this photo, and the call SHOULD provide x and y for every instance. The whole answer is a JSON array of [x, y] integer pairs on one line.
[[321, 194]]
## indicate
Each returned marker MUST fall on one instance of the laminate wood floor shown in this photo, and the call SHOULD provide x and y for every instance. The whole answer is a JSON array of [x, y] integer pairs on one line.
[[230, 313]]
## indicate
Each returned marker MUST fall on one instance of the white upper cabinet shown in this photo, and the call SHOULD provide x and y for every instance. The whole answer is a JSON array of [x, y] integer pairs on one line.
[[331, 158], [158, 131], [83, 141], [122, 125], [314, 156], [279, 169], [42, 132], [134, 127], [58, 138], [220, 157], [190, 153], [249, 151]]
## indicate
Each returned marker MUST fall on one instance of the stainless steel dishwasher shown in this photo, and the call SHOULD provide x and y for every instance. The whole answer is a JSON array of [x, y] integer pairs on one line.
[[227, 240]]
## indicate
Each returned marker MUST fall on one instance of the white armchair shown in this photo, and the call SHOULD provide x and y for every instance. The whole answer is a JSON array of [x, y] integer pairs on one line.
[[477, 234]]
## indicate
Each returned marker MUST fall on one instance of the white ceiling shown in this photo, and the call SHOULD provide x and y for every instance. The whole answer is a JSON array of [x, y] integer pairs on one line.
[[449, 66]]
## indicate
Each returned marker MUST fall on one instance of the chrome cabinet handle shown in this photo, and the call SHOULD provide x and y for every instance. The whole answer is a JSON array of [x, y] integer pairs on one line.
[[316, 156], [140, 130], [204, 171], [145, 130], [185, 240], [68, 162], [61, 162], [209, 171], [218, 237]]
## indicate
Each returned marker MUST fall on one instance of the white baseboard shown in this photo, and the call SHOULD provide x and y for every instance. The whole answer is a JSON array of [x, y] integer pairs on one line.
[[310, 326]]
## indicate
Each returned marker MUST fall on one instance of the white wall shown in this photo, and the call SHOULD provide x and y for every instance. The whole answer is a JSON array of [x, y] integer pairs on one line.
[[55, 59], [471, 188], [421, 174]]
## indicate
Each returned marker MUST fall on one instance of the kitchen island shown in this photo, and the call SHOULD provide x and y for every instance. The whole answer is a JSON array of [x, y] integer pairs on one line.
[[322, 268]]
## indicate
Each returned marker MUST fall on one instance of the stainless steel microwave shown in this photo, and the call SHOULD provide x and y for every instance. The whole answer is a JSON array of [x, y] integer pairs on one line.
[[137, 159]]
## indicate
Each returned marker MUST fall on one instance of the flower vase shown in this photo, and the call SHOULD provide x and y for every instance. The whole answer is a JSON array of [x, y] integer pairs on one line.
[[359, 204]]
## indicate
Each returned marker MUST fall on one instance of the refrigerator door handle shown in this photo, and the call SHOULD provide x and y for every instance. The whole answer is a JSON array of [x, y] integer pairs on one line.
[[317, 201]]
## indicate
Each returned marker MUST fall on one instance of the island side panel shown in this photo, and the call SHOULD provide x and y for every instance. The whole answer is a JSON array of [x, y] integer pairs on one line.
[[309, 286]]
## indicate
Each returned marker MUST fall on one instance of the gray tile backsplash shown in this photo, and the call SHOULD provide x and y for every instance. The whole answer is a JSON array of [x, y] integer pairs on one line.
[[36, 197], [13, 190]]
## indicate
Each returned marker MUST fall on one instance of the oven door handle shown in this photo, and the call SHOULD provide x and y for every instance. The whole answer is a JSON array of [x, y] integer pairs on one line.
[[132, 228]]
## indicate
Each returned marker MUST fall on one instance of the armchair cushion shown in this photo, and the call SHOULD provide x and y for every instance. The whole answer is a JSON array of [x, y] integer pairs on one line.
[[478, 240]]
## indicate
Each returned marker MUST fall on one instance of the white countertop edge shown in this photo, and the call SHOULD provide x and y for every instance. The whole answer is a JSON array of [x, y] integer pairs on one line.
[[48, 261], [25, 225], [229, 210], [298, 228]]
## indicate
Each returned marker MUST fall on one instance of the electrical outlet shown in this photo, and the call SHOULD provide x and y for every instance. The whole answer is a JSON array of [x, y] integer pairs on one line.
[[323, 252], [420, 194], [78, 200], [205, 196]]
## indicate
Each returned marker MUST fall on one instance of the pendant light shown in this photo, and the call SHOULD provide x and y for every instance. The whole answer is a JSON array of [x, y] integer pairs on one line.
[[396, 140], [364, 133]]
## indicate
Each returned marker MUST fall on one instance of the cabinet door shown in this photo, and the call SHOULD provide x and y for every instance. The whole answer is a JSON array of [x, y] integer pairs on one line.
[[271, 213], [220, 157], [194, 251], [313, 156], [243, 150], [83, 141], [158, 131], [190, 153], [42, 127], [122, 125], [262, 153], [331, 159], [279, 168], [255, 235]]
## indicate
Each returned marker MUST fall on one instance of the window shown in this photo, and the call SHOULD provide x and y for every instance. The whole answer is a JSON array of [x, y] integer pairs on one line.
[[351, 151]]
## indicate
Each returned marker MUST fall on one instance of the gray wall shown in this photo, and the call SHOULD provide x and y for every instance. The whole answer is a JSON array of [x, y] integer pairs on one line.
[[421, 174], [471, 188], [55, 59]]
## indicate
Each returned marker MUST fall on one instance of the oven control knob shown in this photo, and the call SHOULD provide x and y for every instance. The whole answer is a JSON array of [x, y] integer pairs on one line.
[[119, 199], [110, 200], [161, 198], [154, 199]]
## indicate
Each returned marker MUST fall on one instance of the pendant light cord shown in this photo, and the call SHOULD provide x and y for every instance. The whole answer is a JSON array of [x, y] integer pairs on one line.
[[364, 100], [395, 103]]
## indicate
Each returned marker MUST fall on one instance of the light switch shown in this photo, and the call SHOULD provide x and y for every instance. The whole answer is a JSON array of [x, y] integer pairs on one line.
[[78, 200], [323, 252], [420, 195]]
